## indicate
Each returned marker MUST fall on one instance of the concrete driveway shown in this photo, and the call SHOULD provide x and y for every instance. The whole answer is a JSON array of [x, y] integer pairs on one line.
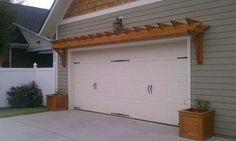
[[84, 126]]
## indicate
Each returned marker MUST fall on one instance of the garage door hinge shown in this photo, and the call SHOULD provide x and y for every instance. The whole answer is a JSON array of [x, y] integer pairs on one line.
[[183, 57]]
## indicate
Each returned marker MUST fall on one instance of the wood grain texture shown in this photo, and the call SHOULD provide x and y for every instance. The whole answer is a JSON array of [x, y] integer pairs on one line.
[[196, 125], [57, 102], [80, 7], [192, 27]]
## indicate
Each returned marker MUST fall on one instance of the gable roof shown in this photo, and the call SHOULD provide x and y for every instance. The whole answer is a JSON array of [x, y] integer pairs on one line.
[[31, 18], [60, 7], [56, 14], [17, 37]]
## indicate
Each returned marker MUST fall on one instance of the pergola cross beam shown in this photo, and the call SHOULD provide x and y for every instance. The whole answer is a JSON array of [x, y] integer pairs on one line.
[[193, 28]]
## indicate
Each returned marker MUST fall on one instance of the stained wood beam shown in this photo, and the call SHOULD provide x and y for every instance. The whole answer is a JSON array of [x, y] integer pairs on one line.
[[163, 26], [137, 29], [84, 37], [175, 23], [92, 36], [62, 53], [191, 21], [198, 43], [193, 28], [99, 34], [149, 27], [128, 30], [109, 33]]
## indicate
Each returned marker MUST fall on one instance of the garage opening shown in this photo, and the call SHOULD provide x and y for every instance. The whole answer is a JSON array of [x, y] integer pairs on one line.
[[147, 80]]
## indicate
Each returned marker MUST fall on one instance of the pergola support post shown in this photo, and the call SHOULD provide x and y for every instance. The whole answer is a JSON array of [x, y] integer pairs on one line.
[[62, 53]]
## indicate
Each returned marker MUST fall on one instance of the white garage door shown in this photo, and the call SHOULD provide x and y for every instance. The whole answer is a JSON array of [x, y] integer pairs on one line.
[[149, 82]]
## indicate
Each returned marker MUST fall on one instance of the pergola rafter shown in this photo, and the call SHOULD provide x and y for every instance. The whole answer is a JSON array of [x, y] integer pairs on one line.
[[193, 28]]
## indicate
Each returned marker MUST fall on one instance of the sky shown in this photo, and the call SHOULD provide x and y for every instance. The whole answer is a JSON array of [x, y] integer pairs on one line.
[[46, 4]]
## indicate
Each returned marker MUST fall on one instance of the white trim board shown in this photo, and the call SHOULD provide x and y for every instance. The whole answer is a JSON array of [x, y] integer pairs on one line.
[[109, 10], [55, 16], [49, 15]]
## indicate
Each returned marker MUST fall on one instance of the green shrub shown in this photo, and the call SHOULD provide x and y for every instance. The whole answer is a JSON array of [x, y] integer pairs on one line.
[[202, 104], [27, 95], [60, 92]]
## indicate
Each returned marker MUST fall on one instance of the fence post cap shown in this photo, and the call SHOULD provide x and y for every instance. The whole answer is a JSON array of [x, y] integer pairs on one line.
[[35, 65]]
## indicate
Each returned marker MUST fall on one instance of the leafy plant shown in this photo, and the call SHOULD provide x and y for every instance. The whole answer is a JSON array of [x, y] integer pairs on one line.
[[27, 95], [202, 104], [60, 92], [7, 17]]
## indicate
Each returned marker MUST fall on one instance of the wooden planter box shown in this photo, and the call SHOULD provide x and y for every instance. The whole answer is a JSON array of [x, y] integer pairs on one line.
[[196, 125], [57, 102]]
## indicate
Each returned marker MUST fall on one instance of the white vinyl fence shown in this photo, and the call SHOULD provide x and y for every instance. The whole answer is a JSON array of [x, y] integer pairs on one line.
[[44, 77]]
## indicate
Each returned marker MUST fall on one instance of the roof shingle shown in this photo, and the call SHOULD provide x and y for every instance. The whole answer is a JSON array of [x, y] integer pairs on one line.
[[31, 18]]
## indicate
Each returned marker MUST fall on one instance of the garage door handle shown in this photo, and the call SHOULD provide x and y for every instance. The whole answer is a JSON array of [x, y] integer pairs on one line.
[[182, 57], [151, 89], [148, 88], [95, 85]]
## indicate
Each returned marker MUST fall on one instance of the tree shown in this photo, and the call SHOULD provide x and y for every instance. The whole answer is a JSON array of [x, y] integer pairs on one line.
[[7, 18], [13, 1]]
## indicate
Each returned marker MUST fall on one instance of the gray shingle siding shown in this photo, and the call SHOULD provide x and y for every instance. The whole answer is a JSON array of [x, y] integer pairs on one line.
[[32, 39], [215, 80], [62, 76]]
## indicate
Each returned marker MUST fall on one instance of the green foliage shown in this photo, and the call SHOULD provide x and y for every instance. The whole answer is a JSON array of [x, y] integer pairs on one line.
[[60, 92], [9, 112], [202, 104], [27, 95], [7, 18]]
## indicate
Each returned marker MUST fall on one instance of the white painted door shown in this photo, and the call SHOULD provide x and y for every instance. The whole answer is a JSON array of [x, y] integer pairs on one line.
[[148, 82]]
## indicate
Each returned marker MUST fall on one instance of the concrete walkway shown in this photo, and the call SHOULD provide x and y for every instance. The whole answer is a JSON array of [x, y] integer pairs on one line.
[[84, 126]]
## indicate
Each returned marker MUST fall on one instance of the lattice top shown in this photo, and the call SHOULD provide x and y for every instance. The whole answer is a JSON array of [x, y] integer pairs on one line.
[[192, 27]]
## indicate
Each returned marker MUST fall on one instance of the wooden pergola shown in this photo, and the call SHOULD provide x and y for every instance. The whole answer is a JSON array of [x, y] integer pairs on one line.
[[193, 28]]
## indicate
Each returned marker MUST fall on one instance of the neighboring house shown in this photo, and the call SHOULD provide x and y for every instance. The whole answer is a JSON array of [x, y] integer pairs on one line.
[[134, 72], [27, 47]]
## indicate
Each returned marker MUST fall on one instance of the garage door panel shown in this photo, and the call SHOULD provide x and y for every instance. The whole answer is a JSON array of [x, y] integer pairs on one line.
[[95, 103], [143, 70], [155, 52], [162, 91], [103, 83]]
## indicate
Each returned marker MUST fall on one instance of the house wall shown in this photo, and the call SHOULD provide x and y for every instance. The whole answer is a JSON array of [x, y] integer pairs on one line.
[[62, 76], [215, 80], [79, 7], [32, 39]]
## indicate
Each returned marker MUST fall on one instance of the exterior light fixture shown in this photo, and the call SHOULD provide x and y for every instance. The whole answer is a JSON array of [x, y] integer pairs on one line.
[[118, 24]]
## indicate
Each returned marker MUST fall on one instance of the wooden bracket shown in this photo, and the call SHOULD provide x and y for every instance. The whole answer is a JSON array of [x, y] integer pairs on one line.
[[198, 44], [62, 53], [197, 38]]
